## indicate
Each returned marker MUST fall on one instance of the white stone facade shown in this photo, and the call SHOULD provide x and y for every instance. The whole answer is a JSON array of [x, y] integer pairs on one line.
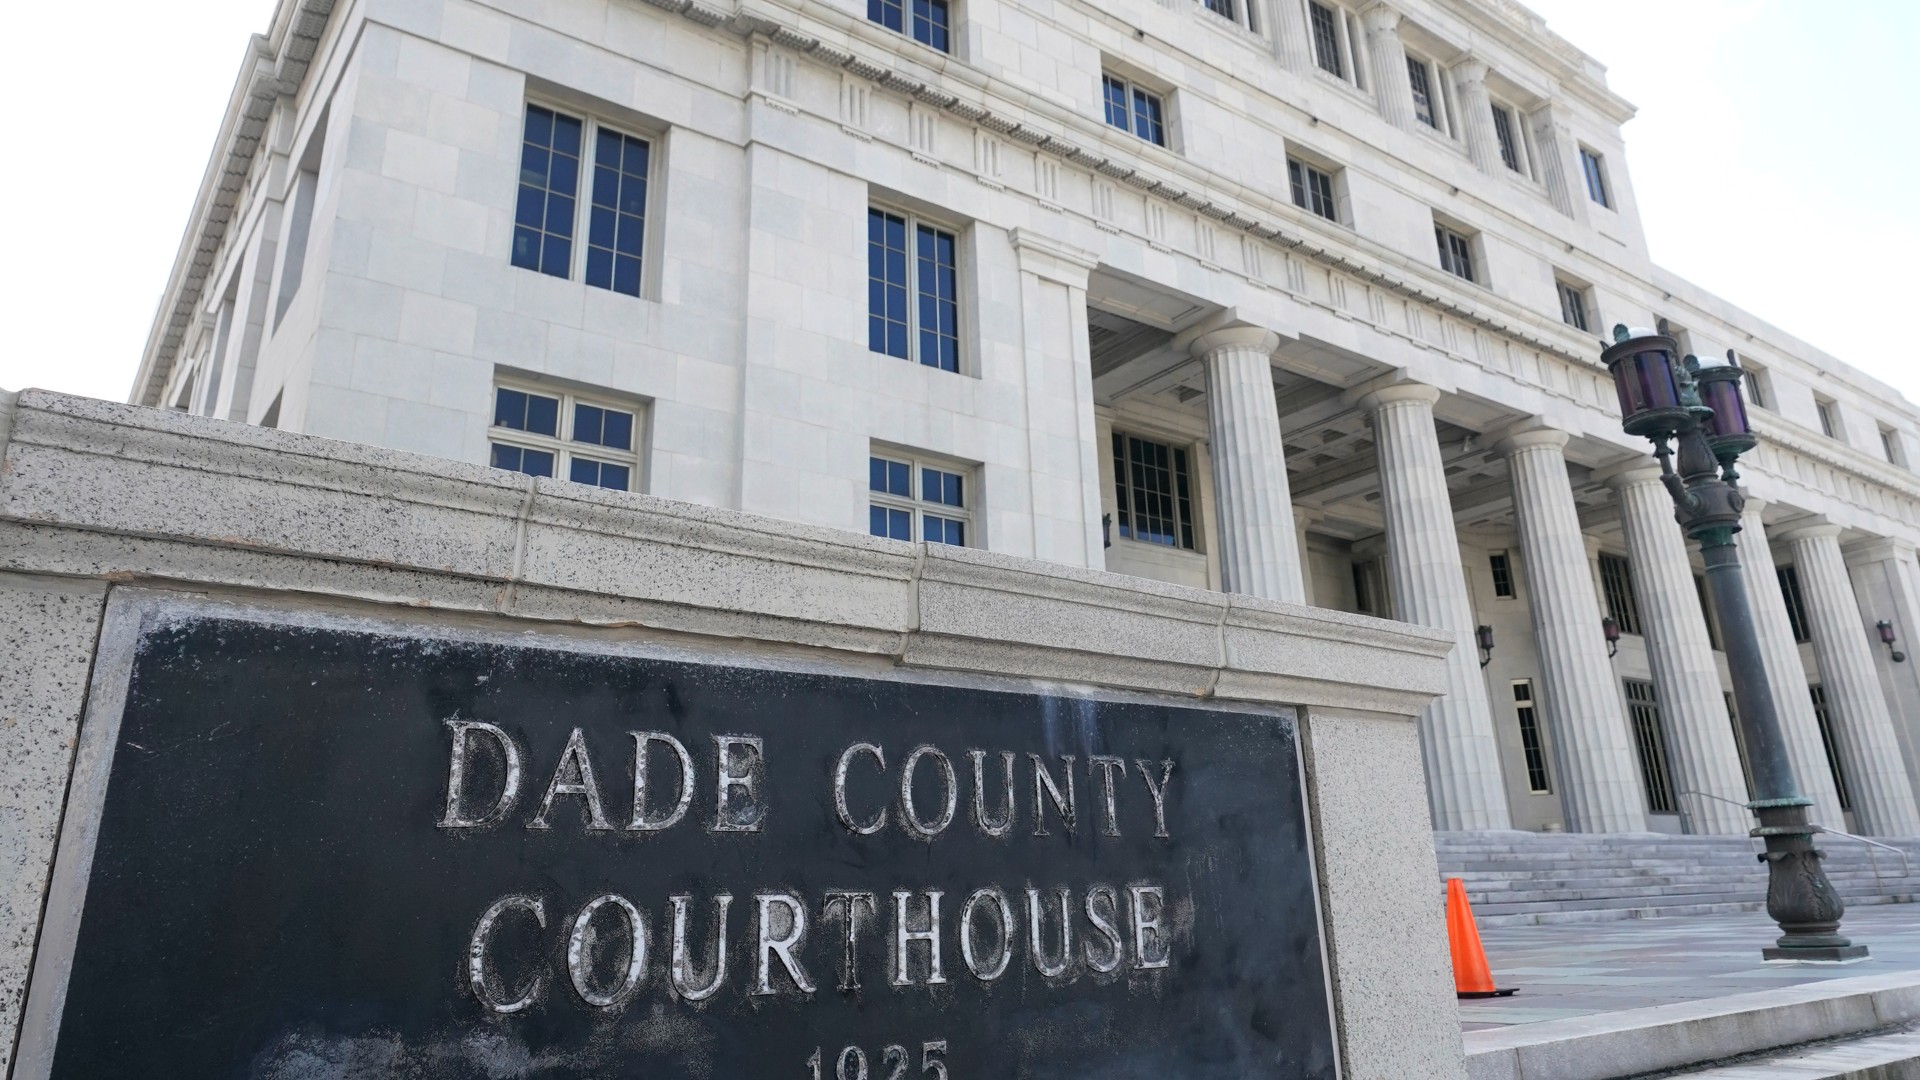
[[348, 272]]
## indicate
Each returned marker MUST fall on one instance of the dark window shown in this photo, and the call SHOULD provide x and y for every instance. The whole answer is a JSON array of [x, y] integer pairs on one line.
[[1616, 581], [1312, 189], [1502, 568], [1367, 598], [1422, 94], [1524, 709], [1890, 445], [1706, 611], [939, 502], [1153, 497], [533, 413], [602, 427], [1509, 148], [521, 460], [943, 489], [1130, 108], [549, 183], [1828, 426], [1573, 306], [1222, 8], [617, 222], [930, 19], [1824, 717], [1796, 604], [1456, 252], [1326, 40], [1644, 712], [1756, 383], [1596, 177], [604, 474], [927, 330]]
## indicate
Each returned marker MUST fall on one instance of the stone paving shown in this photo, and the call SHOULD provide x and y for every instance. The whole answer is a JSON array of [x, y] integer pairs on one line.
[[1579, 969]]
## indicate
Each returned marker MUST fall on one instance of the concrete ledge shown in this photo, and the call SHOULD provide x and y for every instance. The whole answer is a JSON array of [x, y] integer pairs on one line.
[[1637, 1041]]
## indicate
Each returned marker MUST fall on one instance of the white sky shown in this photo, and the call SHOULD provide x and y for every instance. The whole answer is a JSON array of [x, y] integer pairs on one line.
[[1774, 160]]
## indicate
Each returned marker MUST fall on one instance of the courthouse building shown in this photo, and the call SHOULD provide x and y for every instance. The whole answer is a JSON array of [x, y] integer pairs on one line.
[[1302, 299]]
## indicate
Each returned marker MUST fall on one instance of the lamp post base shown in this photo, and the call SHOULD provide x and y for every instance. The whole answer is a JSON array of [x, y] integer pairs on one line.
[[1821, 954]]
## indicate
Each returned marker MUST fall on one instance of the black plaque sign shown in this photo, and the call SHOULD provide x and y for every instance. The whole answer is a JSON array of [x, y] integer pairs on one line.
[[334, 851]]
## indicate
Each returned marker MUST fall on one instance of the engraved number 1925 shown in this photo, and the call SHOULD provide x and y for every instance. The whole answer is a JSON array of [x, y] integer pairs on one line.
[[852, 1063]]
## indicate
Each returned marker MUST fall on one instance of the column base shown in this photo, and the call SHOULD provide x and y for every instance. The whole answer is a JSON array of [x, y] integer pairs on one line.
[[1817, 954]]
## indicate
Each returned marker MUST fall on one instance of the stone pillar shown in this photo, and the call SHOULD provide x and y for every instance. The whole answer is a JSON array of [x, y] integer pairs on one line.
[[1600, 787], [1886, 582], [1476, 116], [1259, 550], [1292, 40], [1883, 802], [1786, 676], [1559, 161], [1392, 90], [1465, 789], [1700, 738], [1063, 490]]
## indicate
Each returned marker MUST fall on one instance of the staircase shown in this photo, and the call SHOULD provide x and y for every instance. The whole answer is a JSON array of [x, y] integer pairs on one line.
[[1520, 878]]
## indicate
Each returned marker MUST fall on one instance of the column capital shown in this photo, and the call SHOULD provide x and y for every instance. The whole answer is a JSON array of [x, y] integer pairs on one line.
[[1053, 259], [1754, 506], [1469, 69], [1512, 441], [1630, 473], [1378, 18], [1392, 394], [1231, 337], [1818, 530]]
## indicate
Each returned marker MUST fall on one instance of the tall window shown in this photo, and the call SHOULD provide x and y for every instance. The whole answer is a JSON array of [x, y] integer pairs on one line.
[[913, 306], [1890, 446], [1796, 604], [912, 499], [1502, 567], [1706, 611], [1312, 189], [547, 433], [1153, 495], [1369, 589], [1133, 109], [1509, 144], [1823, 716], [1616, 581], [1756, 384], [1419, 75], [1643, 711], [1524, 710], [1829, 417], [1226, 10], [1326, 39], [928, 23], [1573, 305], [1596, 174], [1456, 252], [547, 212]]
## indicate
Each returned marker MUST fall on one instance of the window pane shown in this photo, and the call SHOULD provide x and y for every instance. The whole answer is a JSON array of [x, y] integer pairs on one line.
[[1326, 40], [616, 221], [944, 531], [1116, 97], [509, 408], [549, 178], [1154, 513], [939, 300], [1503, 130], [521, 460], [1422, 99], [887, 13], [543, 415], [930, 23], [887, 283]]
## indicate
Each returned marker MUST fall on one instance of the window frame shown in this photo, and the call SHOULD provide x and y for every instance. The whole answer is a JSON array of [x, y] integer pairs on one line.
[[1133, 90], [1581, 304], [1499, 566], [915, 503], [1508, 135], [1181, 458], [1444, 236], [1302, 193], [591, 124], [915, 221], [910, 20], [561, 444], [1593, 166], [1526, 715], [1240, 13], [1892, 446], [1616, 585], [1791, 595], [1836, 765], [1427, 88], [1647, 724], [1346, 54], [1827, 410], [1758, 387]]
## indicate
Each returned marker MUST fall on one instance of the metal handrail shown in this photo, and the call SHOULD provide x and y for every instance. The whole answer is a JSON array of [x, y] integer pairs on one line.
[[1906, 867]]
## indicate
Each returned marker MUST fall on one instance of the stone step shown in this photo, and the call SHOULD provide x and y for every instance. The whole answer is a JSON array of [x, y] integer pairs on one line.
[[1888, 1056], [1556, 914]]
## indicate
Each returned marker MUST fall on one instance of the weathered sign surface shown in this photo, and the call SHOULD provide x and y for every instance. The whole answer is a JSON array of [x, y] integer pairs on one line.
[[333, 851]]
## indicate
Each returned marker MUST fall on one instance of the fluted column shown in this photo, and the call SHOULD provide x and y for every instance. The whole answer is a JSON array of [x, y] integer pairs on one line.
[[1559, 161], [1883, 803], [1292, 40], [1392, 90], [1476, 116], [1786, 676], [1600, 788], [1686, 680], [1259, 551], [1465, 788], [1886, 582]]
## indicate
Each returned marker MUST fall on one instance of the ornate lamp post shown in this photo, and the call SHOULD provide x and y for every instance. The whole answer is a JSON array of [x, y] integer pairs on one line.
[[1699, 407]]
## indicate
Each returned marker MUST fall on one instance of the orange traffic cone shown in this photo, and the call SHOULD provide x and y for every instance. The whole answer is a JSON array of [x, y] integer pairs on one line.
[[1471, 977]]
